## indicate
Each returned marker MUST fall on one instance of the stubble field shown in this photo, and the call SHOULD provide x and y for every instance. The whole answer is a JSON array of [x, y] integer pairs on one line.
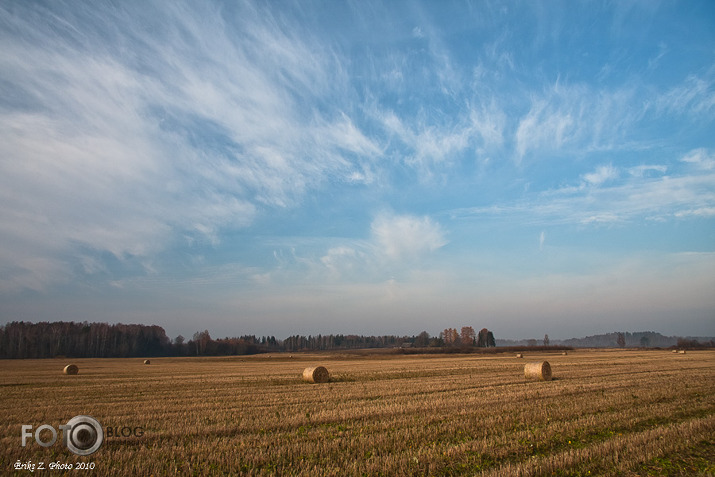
[[608, 412]]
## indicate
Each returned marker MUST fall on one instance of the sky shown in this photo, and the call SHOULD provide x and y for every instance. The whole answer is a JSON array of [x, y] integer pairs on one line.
[[280, 168]]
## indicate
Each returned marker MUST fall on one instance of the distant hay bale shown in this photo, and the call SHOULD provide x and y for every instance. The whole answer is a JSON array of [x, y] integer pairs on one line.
[[71, 369], [146, 361], [519, 355], [539, 371], [675, 351], [682, 351], [564, 353], [317, 374]]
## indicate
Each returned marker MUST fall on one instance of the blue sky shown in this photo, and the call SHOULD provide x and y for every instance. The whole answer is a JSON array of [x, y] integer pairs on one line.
[[359, 167]]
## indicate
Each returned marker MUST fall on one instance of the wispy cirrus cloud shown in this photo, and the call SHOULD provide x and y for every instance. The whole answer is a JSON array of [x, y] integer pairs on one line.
[[694, 96], [431, 146], [607, 196], [544, 127], [473, 131], [574, 119], [125, 131]]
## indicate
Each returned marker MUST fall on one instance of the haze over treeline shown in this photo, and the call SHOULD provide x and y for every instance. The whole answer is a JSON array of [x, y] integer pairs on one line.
[[102, 340]]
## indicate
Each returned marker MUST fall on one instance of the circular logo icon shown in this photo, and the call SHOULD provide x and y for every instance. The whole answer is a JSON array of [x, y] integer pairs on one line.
[[85, 435]]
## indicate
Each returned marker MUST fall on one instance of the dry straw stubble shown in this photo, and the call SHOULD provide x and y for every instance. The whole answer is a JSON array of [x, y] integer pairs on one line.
[[317, 374], [539, 371], [71, 369], [395, 408]]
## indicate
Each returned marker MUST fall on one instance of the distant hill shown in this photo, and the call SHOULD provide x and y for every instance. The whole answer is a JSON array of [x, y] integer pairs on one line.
[[649, 339]]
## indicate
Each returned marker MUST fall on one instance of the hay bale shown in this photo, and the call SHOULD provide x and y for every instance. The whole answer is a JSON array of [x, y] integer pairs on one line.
[[539, 371], [71, 369], [564, 353], [519, 355], [317, 374], [146, 361], [682, 351], [675, 351]]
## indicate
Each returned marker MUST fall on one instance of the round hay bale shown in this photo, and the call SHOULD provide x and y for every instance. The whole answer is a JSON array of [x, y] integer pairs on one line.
[[564, 353], [146, 361], [519, 355], [682, 351], [71, 369], [539, 371], [317, 374], [675, 351]]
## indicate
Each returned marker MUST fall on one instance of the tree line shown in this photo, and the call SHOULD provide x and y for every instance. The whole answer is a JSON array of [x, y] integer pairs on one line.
[[102, 340], [81, 340], [468, 338]]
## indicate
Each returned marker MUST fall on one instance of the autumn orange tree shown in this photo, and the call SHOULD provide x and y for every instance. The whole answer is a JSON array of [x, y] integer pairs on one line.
[[450, 336], [467, 336]]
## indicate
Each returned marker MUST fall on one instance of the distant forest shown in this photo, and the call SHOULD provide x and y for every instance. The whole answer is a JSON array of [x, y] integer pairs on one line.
[[640, 339], [102, 340]]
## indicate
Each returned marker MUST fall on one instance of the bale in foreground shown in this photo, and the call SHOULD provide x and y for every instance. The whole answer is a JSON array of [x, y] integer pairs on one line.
[[317, 374], [539, 371], [71, 369], [146, 361]]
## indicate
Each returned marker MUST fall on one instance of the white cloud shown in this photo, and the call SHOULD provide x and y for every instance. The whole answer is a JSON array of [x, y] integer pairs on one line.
[[645, 170], [342, 260], [398, 243], [600, 175], [701, 158], [406, 236], [701, 212]]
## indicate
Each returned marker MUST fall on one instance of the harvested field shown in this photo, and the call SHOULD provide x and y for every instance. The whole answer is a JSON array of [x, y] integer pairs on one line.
[[613, 412]]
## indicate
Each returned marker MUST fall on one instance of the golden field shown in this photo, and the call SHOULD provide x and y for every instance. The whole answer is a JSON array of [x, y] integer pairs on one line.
[[607, 412]]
